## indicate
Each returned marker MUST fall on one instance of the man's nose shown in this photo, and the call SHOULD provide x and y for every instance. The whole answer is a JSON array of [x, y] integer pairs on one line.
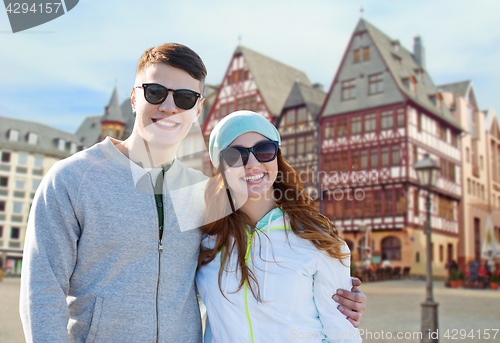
[[168, 105]]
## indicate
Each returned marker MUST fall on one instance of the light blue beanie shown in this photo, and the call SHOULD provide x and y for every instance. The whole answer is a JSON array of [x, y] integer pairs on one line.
[[234, 125]]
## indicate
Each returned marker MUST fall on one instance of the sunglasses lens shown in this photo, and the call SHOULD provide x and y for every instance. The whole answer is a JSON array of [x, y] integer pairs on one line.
[[265, 152], [185, 99], [155, 94], [235, 157]]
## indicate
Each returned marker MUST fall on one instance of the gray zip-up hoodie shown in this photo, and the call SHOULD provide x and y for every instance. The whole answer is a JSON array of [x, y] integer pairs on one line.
[[92, 266]]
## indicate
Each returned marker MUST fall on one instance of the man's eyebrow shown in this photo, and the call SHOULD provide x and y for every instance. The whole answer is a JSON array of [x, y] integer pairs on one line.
[[241, 146]]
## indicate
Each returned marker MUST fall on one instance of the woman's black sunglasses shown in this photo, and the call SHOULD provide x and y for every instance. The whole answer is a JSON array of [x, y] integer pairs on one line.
[[155, 94], [238, 156]]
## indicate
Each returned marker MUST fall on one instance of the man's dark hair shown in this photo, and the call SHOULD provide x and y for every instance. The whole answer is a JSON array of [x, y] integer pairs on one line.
[[178, 56]]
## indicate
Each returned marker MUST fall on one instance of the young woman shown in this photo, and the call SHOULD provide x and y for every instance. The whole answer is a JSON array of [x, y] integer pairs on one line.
[[270, 261]]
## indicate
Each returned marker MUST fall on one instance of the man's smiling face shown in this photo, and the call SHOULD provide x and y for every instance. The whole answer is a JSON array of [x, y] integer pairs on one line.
[[164, 124]]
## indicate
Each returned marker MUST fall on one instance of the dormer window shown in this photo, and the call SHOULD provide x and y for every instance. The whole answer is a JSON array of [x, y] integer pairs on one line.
[[420, 73], [397, 58], [395, 45], [32, 138], [13, 135], [72, 147], [437, 100], [411, 84], [61, 144]]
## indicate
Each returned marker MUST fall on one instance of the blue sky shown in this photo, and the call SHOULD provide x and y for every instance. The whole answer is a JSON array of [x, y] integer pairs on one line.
[[62, 71]]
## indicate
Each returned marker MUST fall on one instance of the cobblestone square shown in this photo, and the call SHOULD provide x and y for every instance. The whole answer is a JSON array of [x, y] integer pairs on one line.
[[393, 307]]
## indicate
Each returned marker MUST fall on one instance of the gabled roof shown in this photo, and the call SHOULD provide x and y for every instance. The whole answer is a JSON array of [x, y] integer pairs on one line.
[[392, 53], [312, 97], [458, 88], [46, 142], [274, 79], [491, 116], [113, 110]]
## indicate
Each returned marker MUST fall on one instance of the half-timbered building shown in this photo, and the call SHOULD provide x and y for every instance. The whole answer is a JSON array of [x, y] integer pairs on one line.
[[299, 131], [381, 115], [252, 82]]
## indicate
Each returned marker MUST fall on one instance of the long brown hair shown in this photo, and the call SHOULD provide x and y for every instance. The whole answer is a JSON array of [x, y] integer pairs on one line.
[[227, 225]]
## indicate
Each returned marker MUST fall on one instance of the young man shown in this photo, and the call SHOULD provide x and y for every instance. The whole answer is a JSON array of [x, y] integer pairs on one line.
[[112, 245]]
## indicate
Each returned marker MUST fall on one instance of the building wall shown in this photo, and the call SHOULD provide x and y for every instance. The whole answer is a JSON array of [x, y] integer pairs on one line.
[[23, 180]]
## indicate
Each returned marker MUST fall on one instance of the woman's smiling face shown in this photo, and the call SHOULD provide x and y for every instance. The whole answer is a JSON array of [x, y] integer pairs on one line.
[[255, 179]]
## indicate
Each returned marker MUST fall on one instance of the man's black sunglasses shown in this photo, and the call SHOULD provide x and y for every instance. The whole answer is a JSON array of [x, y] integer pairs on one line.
[[155, 94], [238, 156]]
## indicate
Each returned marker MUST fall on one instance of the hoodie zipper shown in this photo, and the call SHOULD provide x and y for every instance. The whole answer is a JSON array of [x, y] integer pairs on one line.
[[247, 256], [158, 190]]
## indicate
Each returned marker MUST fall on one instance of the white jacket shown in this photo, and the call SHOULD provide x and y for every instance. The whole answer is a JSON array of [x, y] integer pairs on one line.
[[296, 283]]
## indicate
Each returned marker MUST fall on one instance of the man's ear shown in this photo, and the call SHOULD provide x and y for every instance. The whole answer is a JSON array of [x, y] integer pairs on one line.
[[132, 99], [202, 101]]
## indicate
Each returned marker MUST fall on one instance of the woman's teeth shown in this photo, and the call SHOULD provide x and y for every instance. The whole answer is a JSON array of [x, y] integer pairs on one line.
[[166, 123], [254, 177]]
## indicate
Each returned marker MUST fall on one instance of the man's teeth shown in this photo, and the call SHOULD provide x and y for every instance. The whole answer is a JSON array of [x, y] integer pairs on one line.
[[254, 178], [166, 123]]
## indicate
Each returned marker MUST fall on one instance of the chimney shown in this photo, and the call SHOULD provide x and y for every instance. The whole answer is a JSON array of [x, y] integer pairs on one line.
[[318, 86], [419, 51]]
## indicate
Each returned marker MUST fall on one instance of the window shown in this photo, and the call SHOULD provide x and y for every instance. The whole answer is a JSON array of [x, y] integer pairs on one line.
[[481, 162], [5, 157], [419, 122], [366, 53], [300, 145], [302, 115], [417, 257], [290, 118], [364, 159], [355, 125], [34, 185], [222, 110], [395, 155], [385, 156], [4, 181], [61, 143], [391, 248], [110, 133], [357, 55], [2, 206], [388, 202], [454, 140], [32, 138], [401, 117], [374, 158], [230, 107], [367, 204], [72, 145], [375, 84], [18, 207], [387, 119], [291, 146], [1, 231], [415, 154], [467, 155], [310, 143], [328, 130], [446, 208], [344, 163], [247, 103], [22, 158], [400, 198], [377, 203], [253, 103], [20, 185], [451, 172], [13, 135], [441, 253], [442, 133], [370, 122], [239, 104], [14, 233], [342, 127], [355, 160], [349, 89]]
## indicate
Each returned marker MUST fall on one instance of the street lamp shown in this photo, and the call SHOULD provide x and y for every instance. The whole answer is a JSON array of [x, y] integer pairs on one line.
[[427, 173]]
